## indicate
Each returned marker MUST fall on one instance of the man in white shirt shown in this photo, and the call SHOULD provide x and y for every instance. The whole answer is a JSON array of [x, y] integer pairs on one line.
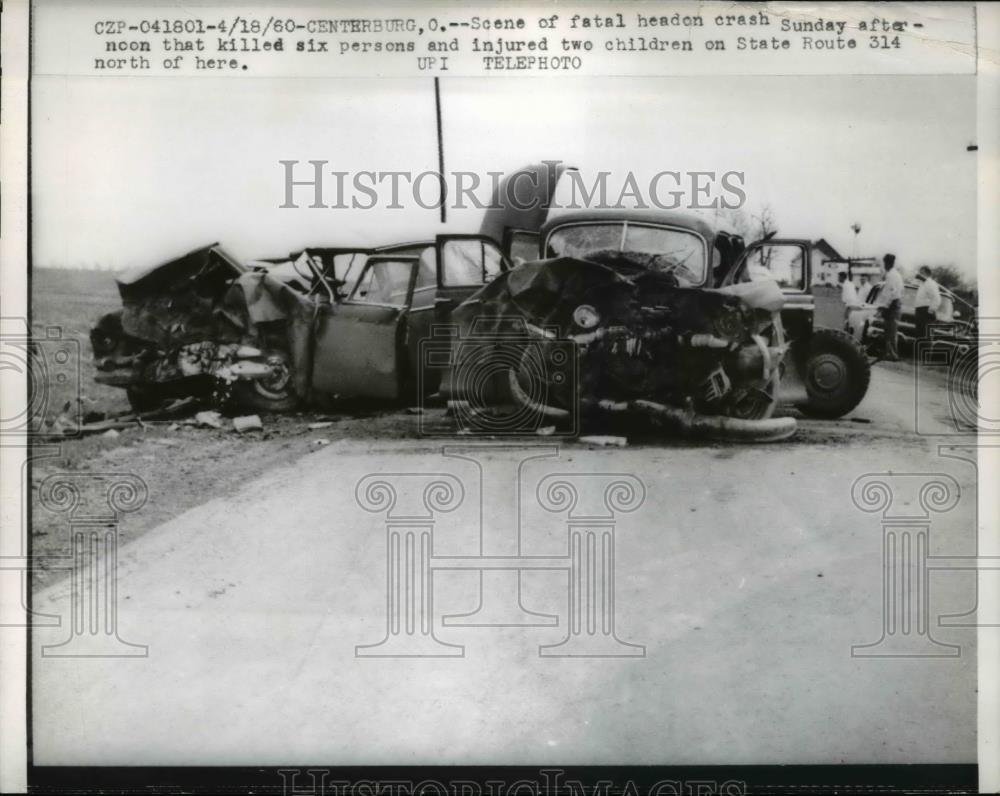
[[890, 302], [848, 293], [928, 301]]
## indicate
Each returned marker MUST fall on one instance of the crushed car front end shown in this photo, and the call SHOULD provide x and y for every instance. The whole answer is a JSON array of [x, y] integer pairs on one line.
[[203, 325], [612, 331]]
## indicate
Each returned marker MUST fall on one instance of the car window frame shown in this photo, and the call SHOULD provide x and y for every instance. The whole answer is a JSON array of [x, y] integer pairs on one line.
[[374, 260], [443, 240]]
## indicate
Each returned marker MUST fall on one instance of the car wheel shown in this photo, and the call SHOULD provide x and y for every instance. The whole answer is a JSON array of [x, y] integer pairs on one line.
[[836, 374], [275, 393]]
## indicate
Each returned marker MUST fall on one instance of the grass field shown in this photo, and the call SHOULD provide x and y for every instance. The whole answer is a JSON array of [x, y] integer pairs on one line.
[[72, 301], [181, 465]]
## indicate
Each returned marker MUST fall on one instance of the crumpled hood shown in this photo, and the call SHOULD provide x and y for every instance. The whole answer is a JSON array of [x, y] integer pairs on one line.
[[546, 292]]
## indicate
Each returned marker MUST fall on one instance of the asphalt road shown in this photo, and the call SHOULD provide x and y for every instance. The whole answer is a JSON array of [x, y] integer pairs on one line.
[[742, 576]]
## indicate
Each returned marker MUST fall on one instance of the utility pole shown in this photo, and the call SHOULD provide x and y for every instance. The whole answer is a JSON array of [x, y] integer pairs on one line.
[[440, 142]]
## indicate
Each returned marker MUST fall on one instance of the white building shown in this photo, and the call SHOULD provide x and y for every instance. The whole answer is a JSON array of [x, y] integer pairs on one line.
[[827, 262]]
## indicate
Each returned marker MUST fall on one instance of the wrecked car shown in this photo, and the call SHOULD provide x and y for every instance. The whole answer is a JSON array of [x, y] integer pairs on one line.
[[825, 372], [196, 325], [330, 269], [298, 330], [625, 313]]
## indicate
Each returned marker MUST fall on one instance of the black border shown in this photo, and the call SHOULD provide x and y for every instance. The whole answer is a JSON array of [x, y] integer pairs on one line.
[[756, 779], [797, 779]]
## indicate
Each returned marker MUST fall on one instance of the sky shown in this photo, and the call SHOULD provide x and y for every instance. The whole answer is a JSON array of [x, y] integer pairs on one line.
[[133, 171]]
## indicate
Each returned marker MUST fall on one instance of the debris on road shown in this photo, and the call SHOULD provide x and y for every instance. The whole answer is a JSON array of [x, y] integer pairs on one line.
[[545, 431], [208, 419], [62, 427], [170, 443], [111, 433], [247, 423], [318, 426], [319, 443], [605, 441]]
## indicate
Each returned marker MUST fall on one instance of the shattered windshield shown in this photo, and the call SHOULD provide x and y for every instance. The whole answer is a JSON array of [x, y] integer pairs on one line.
[[676, 251]]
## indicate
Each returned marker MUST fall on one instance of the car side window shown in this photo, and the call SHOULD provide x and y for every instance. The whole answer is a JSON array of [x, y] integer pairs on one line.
[[384, 282], [780, 262], [469, 261]]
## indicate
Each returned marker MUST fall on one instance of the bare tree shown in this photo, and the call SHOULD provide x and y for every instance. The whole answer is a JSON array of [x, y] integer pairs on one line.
[[765, 223], [749, 226], [948, 276]]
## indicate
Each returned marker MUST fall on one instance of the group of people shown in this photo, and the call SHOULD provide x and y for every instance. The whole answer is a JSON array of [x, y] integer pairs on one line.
[[890, 302]]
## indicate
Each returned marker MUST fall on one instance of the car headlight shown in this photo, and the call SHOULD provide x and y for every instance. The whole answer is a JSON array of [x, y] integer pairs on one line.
[[586, 317]]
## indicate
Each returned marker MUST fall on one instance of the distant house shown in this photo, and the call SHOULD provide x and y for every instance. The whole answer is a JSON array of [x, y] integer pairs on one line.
[[827, 262]]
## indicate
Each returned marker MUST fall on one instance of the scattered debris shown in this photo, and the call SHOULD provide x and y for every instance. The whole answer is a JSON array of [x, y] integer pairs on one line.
[[545, 431], [605, 441], [247, 423], [319, 443], [860, 420], [173, 427], [209, 419], [63, 427], [318, 426], [172, 443], [111, 434], [414, 410]]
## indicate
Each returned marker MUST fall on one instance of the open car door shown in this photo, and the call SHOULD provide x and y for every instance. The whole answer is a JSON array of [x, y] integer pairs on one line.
[[359, 343], [786, 261], [464, 264]]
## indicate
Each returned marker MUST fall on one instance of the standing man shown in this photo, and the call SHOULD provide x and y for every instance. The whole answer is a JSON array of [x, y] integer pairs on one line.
[[928, 301], [848, 293], [890, 302]]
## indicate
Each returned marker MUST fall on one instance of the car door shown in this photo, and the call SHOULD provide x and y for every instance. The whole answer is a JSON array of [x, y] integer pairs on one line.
[[464, 264], [786, 262], [359, 344]]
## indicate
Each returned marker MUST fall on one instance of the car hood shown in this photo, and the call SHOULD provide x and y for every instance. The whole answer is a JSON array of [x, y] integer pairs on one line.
[[547, 292]]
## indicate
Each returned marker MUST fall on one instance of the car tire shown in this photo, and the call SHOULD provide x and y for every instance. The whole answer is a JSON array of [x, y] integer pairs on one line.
[[836, 374], [275, 394]]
